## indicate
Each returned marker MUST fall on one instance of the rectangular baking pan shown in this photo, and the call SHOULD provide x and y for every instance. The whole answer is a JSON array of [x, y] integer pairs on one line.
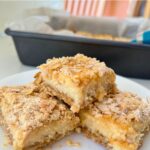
[[128, 59]]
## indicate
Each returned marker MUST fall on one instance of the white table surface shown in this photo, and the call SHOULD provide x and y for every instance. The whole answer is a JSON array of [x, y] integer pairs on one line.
[[10, 63]]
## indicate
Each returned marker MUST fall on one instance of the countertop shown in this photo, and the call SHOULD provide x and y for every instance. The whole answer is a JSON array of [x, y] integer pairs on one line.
[[10, 63]]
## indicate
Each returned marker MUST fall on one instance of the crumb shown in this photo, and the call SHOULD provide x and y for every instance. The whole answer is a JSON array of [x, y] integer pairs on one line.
[[73, 143], [78, 130], [6, 142], [59, 145]]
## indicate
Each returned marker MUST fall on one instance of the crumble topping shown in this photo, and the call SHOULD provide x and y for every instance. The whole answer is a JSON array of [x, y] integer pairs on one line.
[[73, 143], [21, 107], [80, 69], [124, 106]]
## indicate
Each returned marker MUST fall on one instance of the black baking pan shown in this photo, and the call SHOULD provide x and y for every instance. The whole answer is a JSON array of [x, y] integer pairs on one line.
[[128, 59]]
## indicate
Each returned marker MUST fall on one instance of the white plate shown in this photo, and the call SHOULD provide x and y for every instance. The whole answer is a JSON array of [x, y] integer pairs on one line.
[[86, 144]]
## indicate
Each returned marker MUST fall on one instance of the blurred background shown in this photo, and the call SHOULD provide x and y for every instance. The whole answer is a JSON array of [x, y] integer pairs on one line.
[[11, 10]]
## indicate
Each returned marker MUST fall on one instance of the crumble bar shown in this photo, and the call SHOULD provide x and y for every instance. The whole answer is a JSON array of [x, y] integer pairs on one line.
[[33, 118], [119, 122], [78, 80], [103, 36]]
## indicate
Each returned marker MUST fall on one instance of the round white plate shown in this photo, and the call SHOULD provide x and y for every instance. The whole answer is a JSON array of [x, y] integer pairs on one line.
[[86, 144]]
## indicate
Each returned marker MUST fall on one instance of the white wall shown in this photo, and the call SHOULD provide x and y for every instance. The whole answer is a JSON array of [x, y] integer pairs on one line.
[[11, 10]]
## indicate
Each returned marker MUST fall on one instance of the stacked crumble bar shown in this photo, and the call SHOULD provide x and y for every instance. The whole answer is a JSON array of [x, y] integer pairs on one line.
[[33, 118], [119, 122], [78, 80], [68, 93]]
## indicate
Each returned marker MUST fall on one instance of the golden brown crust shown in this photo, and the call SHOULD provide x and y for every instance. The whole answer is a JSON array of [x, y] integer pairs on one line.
[[47, 142], [110, 145], [97, 138]]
